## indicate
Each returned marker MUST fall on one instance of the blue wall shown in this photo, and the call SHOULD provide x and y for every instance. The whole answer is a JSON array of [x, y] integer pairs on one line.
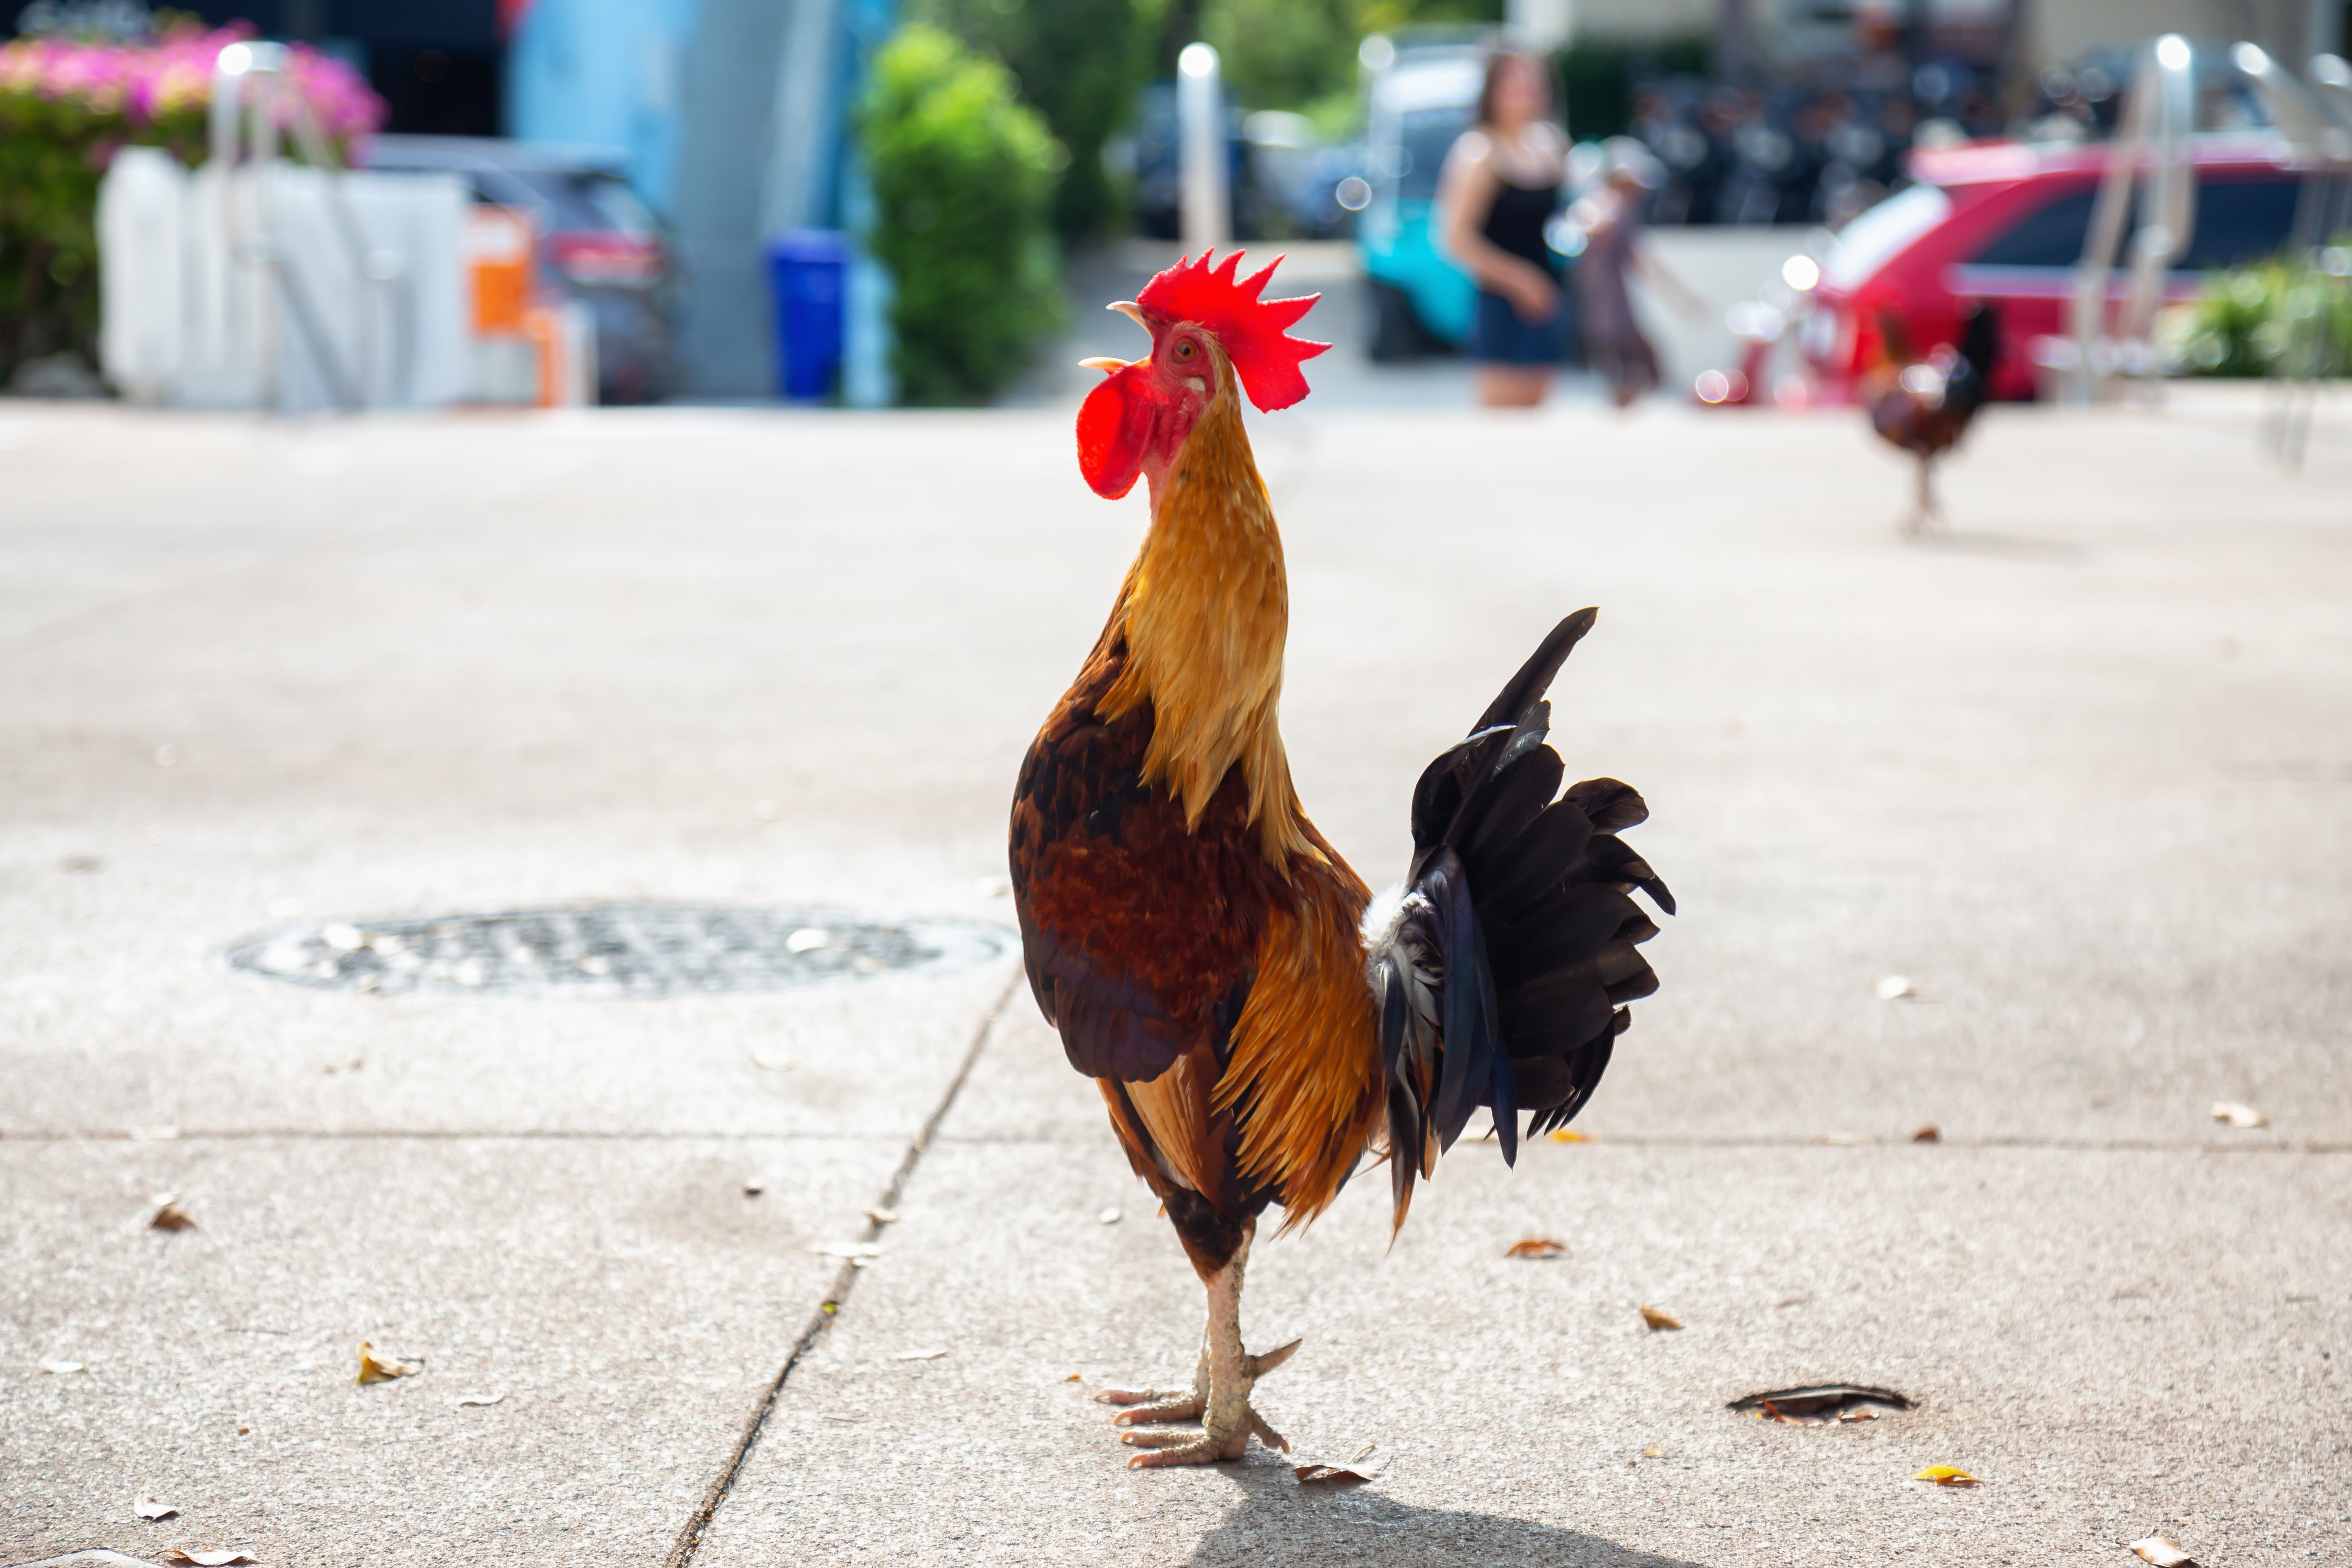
[[732, 114], [605, 73]]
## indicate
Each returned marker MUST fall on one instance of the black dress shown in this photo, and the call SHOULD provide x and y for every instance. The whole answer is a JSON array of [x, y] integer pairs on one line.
[[1514, 225]]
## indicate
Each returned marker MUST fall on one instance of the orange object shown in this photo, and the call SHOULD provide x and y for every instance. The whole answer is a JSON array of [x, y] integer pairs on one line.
[[499, 245], [544, 328]]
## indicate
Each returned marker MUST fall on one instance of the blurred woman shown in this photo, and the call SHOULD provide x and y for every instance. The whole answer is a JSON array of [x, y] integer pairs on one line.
[[1500, 188]]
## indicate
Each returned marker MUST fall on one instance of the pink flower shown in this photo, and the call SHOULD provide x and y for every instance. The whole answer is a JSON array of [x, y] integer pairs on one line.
[[175, 74]]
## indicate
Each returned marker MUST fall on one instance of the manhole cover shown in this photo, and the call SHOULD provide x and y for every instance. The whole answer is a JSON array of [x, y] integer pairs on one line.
[[620, 951]]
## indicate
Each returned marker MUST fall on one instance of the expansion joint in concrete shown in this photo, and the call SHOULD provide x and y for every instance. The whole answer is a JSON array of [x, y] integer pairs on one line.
[[690, 1539]]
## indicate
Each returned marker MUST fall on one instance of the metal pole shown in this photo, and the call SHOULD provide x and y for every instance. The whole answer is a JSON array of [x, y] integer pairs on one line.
[[2155, 129], [1207, 202], [2172, 196], [2087, 319]]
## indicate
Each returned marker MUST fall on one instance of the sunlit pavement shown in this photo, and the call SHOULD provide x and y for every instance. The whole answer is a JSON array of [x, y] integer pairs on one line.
[[2079, 772]]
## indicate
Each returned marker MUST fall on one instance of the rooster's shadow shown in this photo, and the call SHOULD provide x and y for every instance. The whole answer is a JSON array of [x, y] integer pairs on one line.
[[1277, 1522]]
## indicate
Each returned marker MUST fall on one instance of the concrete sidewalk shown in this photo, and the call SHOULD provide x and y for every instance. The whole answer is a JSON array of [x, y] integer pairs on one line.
[[2081, 771]]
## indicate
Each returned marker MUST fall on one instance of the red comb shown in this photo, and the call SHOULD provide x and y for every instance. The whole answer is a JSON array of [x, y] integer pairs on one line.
[[1254, 331]]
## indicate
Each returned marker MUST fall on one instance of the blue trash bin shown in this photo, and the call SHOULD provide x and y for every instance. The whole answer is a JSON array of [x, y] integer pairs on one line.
[[808, 269]]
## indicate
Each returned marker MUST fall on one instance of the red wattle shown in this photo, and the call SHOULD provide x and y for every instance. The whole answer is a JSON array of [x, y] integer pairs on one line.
[[1115, 432]]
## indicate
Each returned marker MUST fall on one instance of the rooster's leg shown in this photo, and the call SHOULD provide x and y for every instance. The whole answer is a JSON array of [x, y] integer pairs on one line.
[[1923, 510], [1222, 1401]]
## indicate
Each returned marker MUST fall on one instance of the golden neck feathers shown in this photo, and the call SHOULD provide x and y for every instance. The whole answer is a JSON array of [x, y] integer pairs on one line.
[[1205, 611]]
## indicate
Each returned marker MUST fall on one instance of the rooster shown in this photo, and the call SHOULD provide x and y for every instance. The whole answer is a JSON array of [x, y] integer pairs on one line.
[[1256, 1020], [1924, 406]]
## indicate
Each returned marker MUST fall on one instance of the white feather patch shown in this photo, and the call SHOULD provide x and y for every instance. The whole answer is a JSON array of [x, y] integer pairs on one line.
[[1382, 916]]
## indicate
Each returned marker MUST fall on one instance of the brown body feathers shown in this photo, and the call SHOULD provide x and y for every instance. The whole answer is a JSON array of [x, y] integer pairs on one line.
[[1188, 932]]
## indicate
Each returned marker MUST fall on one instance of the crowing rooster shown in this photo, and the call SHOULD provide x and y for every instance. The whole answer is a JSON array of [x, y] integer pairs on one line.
[[1256, 1020], [1924, 406]]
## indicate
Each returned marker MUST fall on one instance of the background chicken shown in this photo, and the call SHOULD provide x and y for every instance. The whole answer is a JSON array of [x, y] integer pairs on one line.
[[1924, 405], [1206, 956]]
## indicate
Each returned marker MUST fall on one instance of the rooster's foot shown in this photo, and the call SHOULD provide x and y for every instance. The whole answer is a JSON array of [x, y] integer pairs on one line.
[[1226, 1417], [1214, 1443]]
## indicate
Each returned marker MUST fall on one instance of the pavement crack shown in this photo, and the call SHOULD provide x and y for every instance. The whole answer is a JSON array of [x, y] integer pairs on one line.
[[690, 1539]]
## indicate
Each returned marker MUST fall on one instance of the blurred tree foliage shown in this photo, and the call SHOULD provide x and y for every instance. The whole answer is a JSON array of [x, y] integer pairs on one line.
[[963, 184], [1288, 54], [1280, 54], [1597, 78], [1079, 63]]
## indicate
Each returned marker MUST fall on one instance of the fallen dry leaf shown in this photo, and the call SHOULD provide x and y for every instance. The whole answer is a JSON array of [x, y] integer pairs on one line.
[[1946, 1476], [1361, 1452], [1537, 1247], [1653, 1452], [375, 1368], [1896, 987], [61, 1367], [2161, 1552], [1820, 1402], [1075, 1377], [2238, 1115], [1568, 1135], [1333, 1475], [920, 1355], [154, 1508], [1931, 1133], [464, 1399], [207, 1559], [170, 1215], [1657, 1320]]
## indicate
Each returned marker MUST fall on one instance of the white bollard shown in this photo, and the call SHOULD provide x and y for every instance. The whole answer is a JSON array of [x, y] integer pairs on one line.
[[1202, 153], [139, 267]]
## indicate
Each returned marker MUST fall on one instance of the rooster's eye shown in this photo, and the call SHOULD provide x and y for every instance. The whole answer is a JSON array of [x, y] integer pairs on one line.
[[1185, 349]]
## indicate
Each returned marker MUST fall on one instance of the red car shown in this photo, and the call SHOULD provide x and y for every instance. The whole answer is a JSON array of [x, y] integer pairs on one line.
[[2005, 222]]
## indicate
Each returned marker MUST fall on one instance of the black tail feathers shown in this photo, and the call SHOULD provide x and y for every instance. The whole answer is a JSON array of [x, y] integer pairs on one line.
[[1980, 339], [1970, 385], [1501, 968]]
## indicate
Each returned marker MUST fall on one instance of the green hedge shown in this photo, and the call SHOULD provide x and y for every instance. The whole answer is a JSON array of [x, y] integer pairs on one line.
[[52, 155], [963, 181], [2245, 321]]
